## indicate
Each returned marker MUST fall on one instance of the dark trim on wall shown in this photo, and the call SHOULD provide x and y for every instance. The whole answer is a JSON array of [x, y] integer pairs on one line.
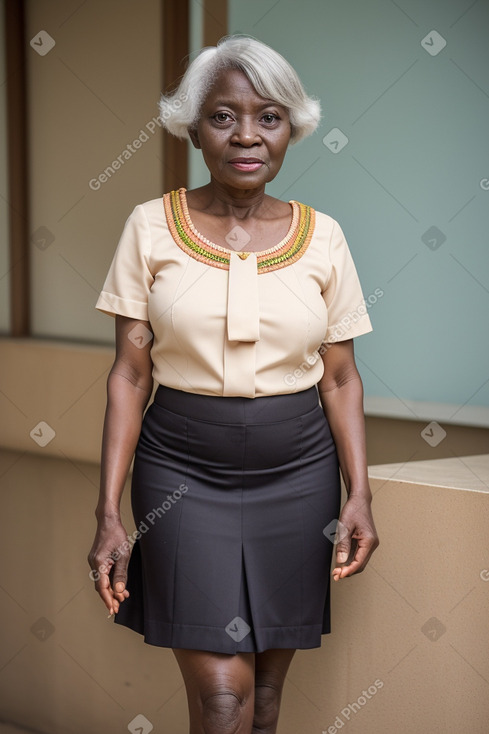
[[17, 156], [176, 33], [215, 20]]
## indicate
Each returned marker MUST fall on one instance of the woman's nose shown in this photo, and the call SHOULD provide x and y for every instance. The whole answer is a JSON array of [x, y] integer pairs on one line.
[[246, 132]]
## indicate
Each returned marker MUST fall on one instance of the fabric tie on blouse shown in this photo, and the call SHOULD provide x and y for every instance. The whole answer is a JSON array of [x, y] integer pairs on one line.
[[243, 325], [243, 318]]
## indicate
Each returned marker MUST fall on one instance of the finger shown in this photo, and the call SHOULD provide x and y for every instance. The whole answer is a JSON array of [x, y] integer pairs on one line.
[[111, 598], [337, 573], [362, 554], [343, 546], [106, 592], [119, 577], [344, 571]]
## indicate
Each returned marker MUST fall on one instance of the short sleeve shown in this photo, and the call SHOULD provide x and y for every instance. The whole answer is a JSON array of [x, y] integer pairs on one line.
[[347, 310], [129, 279]]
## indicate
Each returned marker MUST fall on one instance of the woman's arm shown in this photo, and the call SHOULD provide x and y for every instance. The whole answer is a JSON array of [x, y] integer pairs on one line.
[[341, 395], [129, 387]]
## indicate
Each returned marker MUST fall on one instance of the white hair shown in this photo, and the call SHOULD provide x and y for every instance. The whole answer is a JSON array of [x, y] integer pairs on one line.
[[270, 74]]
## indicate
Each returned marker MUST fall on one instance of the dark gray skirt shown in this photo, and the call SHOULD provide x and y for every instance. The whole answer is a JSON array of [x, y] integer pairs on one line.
[[230, 498]]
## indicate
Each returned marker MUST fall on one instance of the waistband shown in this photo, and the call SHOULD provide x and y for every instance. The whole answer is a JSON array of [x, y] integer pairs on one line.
[[227, 409]]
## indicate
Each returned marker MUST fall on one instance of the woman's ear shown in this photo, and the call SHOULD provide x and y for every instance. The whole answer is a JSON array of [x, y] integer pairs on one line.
[[194, 137]]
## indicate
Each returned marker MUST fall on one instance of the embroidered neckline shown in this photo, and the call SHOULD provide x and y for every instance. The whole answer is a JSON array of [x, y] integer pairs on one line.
[[191, 241]]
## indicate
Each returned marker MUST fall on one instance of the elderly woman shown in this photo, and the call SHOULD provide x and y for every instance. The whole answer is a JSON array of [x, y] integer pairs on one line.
[[243, 308]]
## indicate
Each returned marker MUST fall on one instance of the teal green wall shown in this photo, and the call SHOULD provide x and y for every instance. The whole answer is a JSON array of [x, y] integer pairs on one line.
[[417, 126]]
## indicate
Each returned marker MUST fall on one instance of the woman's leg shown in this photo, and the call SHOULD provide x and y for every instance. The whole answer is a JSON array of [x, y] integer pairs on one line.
[[234, 694], [220, 691], [270, 670]]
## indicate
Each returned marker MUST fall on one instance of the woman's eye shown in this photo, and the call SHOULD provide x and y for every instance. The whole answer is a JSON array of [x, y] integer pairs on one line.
[[269, 117], [221, 116]]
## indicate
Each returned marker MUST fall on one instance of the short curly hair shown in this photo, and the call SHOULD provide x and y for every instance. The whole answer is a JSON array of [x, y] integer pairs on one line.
[[270, 74]]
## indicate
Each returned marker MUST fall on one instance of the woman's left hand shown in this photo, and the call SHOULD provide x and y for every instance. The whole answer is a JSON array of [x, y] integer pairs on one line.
[[357, 537]]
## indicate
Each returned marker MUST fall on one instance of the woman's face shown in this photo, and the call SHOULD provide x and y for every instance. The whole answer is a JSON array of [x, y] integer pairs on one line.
[[243, 137]]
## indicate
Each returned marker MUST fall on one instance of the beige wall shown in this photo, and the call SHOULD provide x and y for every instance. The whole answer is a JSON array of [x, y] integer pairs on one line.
[[65, 669], [390, 439], [89, 97]]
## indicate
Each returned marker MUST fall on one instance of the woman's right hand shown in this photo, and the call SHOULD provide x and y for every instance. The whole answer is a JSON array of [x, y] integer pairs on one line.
[[108, 559]]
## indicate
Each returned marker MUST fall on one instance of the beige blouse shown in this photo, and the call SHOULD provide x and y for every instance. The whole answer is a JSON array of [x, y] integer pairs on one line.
[[232, 322]]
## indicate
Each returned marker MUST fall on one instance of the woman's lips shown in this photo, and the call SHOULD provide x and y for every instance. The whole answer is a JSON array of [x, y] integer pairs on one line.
[[246, 164]]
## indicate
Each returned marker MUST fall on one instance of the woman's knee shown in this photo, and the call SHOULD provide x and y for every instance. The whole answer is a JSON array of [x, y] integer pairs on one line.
[[268, 692], [223, 710]]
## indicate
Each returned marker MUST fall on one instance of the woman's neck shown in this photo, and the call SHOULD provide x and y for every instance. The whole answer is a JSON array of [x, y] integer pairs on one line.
[[213, 198]]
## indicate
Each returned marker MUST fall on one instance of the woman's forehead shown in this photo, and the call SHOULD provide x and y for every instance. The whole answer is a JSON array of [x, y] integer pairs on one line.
[[231, 86]]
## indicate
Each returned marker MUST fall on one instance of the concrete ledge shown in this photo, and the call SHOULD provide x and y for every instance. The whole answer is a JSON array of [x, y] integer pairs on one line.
[[53, 396], [460, 472], [417, 410]]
